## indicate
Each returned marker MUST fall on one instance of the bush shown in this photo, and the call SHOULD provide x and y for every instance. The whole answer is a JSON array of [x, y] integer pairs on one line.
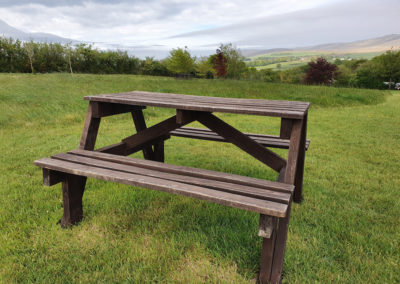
[[320, 72]]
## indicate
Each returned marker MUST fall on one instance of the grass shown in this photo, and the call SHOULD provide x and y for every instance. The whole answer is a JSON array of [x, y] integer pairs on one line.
[[345, 231]]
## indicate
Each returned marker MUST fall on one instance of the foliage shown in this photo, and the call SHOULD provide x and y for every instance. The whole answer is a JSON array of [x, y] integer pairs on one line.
[[220, 64], [150, 66], [180, 61], [320, 72], [204, 68], [236, 67], [388, 66], [368, 76]]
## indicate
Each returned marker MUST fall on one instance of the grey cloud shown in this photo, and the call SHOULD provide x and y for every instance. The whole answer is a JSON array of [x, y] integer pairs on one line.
[[56, 3], [343, 21]]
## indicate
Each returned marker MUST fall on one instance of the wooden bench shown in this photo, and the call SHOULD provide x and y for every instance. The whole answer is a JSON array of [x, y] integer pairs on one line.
[[269, 199], [206, 134], [272, 200]]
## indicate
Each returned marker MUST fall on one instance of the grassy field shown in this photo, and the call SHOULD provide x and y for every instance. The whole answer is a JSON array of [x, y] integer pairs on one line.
[[291, 59], [346, 230]]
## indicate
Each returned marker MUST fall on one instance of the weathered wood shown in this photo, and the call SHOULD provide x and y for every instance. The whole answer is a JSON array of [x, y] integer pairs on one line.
[[289, 178], [280, 246], [159, 151], [188, 171], [151, 133], [182, 116], [90, 129], [101, 109], [242, 141], [51, 178], [206, 134], [286, 128], [265, 227], [260, 193], [72, 188], [208, 104], [224, 198], [119, 148], [298, 197], [122, 148], [140, 125], [267, 254]]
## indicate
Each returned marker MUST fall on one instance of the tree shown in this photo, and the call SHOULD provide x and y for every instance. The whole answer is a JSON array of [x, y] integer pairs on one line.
[[388, 65], [320, 72], [180, 61], [68, 53], [30, 52], [220, 64], [236, 67], [204, 67]]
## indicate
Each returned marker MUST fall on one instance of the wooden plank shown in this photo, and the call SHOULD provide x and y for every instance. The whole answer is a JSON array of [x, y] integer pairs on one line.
[[90, 129], [223, 198], [286, 128], [274, 109], [300, 163], [265, 227], [242, 141], [101, 109], [119, 148], [72, 187], [206, 134], [159, 151], [151, 133], [267, 254], [189, 171], [289, 177], [140, 125], [51, 178], [214, 100], [255, 192], [122, 148], [262, 104]]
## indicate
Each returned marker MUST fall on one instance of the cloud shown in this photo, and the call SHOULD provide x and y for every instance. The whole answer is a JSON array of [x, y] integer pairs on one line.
[[343, 21], [198, 24]]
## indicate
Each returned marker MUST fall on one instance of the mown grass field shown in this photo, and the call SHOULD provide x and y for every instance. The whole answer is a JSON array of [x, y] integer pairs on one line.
[[346, 230]]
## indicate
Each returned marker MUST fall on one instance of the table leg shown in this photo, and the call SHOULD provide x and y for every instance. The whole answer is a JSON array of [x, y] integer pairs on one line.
[[298, 196], [73, 186], [140, 124], [288, 177]]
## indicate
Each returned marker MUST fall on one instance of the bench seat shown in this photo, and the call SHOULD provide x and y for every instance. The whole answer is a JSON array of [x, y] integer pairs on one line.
[[252, 194], [206, 134]]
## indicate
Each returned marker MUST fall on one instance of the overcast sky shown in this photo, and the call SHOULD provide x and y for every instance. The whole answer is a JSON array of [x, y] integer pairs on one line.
[[205, 24]]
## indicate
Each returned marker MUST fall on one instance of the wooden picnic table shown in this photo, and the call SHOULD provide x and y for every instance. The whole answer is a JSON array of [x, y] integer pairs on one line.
[[272, 200], [191, 108]]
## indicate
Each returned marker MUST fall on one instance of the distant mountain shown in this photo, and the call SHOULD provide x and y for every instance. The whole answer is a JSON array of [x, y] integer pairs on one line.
[[368, 45], [9, 31], [379, 44]]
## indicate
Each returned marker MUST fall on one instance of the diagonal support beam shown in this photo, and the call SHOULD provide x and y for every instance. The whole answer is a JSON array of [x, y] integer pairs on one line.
[[160, 129], [140, 125], [242, 141]]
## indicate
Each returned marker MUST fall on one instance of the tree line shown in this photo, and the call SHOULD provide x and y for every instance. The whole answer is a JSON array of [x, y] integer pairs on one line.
[[227, 62]]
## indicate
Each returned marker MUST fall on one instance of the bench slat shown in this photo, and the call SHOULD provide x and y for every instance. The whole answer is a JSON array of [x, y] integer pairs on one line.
[[206, 134], [224, 198], [188, 171], [218, 185]]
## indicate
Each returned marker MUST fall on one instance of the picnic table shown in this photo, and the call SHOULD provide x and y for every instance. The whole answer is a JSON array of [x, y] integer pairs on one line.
[[271, 199]]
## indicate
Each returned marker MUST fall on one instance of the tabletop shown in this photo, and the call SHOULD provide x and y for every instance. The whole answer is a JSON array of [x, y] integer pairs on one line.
[[284, 109]]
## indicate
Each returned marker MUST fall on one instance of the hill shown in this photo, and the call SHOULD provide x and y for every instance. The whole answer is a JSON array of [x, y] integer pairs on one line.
[[8, 31]]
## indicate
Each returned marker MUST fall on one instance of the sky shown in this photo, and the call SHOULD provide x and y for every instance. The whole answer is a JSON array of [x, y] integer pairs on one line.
[[205, 24]]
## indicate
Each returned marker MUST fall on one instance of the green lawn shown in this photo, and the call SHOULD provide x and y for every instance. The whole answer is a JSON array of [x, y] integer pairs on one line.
[[346, 230]]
